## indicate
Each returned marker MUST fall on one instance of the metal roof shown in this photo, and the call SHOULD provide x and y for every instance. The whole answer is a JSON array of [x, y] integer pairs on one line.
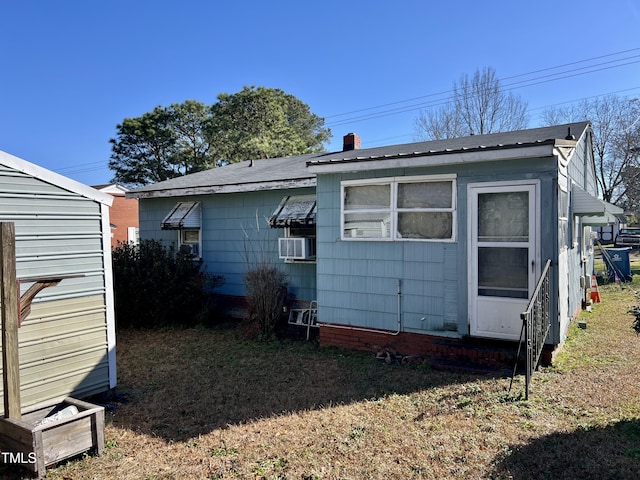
[[264, 174], [292, 172], [53, 178], [520, 138]]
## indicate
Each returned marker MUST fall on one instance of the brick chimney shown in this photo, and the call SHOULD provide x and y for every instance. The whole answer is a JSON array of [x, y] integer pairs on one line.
[[350, 141]]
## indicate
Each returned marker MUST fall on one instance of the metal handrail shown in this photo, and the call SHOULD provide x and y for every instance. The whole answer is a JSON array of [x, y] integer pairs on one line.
[[535, 326]]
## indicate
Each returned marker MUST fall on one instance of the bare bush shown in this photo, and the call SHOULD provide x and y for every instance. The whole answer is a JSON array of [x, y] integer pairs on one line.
[[266, 295]]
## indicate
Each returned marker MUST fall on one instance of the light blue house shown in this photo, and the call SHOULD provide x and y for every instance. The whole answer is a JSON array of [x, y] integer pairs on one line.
[[223, 215], [424, 248]]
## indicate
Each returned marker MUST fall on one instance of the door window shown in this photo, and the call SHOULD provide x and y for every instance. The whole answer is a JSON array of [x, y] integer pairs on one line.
[[503, 244]]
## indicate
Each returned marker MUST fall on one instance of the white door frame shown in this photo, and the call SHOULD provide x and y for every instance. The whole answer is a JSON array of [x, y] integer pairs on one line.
[[499, 317]]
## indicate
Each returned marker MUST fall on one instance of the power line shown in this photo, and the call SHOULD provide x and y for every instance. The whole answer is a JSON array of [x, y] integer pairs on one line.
[[441, 102], [81, 168], [572, 63], [84, 168], [377, 142], [75, 166], [506, 78], [584, 70], [520, 84], [568, 102]]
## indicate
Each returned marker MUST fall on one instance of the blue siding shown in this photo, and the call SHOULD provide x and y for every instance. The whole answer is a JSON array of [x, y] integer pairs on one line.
[[357, 280], [234, 232], [581, 172]]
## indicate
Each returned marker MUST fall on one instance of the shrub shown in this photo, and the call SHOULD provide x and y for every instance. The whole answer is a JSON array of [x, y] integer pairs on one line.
[[635, 311], [156, 286], [266, 296]]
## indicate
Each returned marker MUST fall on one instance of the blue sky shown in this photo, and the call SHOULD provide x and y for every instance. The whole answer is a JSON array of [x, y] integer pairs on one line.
[[72, 70]]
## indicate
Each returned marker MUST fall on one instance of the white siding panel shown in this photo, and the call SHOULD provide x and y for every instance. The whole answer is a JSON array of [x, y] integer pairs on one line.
[[72, 316], [36, 245], [83, 375], [13, 182], [42, 356], [70, 206], [64, 346], [63, 350], [52, 226]]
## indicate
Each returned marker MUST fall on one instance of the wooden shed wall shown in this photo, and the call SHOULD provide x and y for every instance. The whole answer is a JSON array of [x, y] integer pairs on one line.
[[64, 343]]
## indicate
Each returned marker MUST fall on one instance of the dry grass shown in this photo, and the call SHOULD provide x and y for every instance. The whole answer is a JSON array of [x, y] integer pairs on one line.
[[206, 404]]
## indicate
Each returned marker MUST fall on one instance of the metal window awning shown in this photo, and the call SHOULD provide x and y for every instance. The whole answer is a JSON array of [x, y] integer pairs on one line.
[[183, 215], [294, 210], [593, 210]]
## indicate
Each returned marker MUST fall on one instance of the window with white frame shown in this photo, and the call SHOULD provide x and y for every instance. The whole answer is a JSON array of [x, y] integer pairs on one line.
[[190, 240], [399, 208], [186, 218], [563, 218]]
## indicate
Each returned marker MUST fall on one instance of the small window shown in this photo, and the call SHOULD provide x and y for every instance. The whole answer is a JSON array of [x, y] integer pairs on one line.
[[190, 240], [297, 214], [295, 235], [300, 231], [400, 208], [563, 218], [133, 235]]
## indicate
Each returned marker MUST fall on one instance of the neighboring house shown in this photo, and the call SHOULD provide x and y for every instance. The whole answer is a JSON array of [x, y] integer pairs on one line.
[[606, 234], [67, 341], [413, 246], [123, 214]]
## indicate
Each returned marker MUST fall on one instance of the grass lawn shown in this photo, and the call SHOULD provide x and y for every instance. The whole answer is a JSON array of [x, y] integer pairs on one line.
[[207, 404]]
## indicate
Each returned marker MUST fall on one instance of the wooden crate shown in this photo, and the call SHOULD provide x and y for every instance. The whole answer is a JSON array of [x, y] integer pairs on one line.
[[37, 446]]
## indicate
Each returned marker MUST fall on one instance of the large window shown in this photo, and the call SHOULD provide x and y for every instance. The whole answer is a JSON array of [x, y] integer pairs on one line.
[[399, 208]]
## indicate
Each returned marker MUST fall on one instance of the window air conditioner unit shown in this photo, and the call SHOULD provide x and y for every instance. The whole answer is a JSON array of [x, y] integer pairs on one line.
[[296, 248]]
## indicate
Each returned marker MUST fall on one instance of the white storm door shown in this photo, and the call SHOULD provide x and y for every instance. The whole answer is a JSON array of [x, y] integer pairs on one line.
[[503, 256]]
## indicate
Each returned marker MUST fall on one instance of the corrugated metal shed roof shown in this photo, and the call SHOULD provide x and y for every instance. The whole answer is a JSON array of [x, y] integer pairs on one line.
[[53, 178]]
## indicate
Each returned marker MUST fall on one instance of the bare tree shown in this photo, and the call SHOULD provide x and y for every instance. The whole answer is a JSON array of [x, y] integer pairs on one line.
[[478, 106], [616, 140]]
